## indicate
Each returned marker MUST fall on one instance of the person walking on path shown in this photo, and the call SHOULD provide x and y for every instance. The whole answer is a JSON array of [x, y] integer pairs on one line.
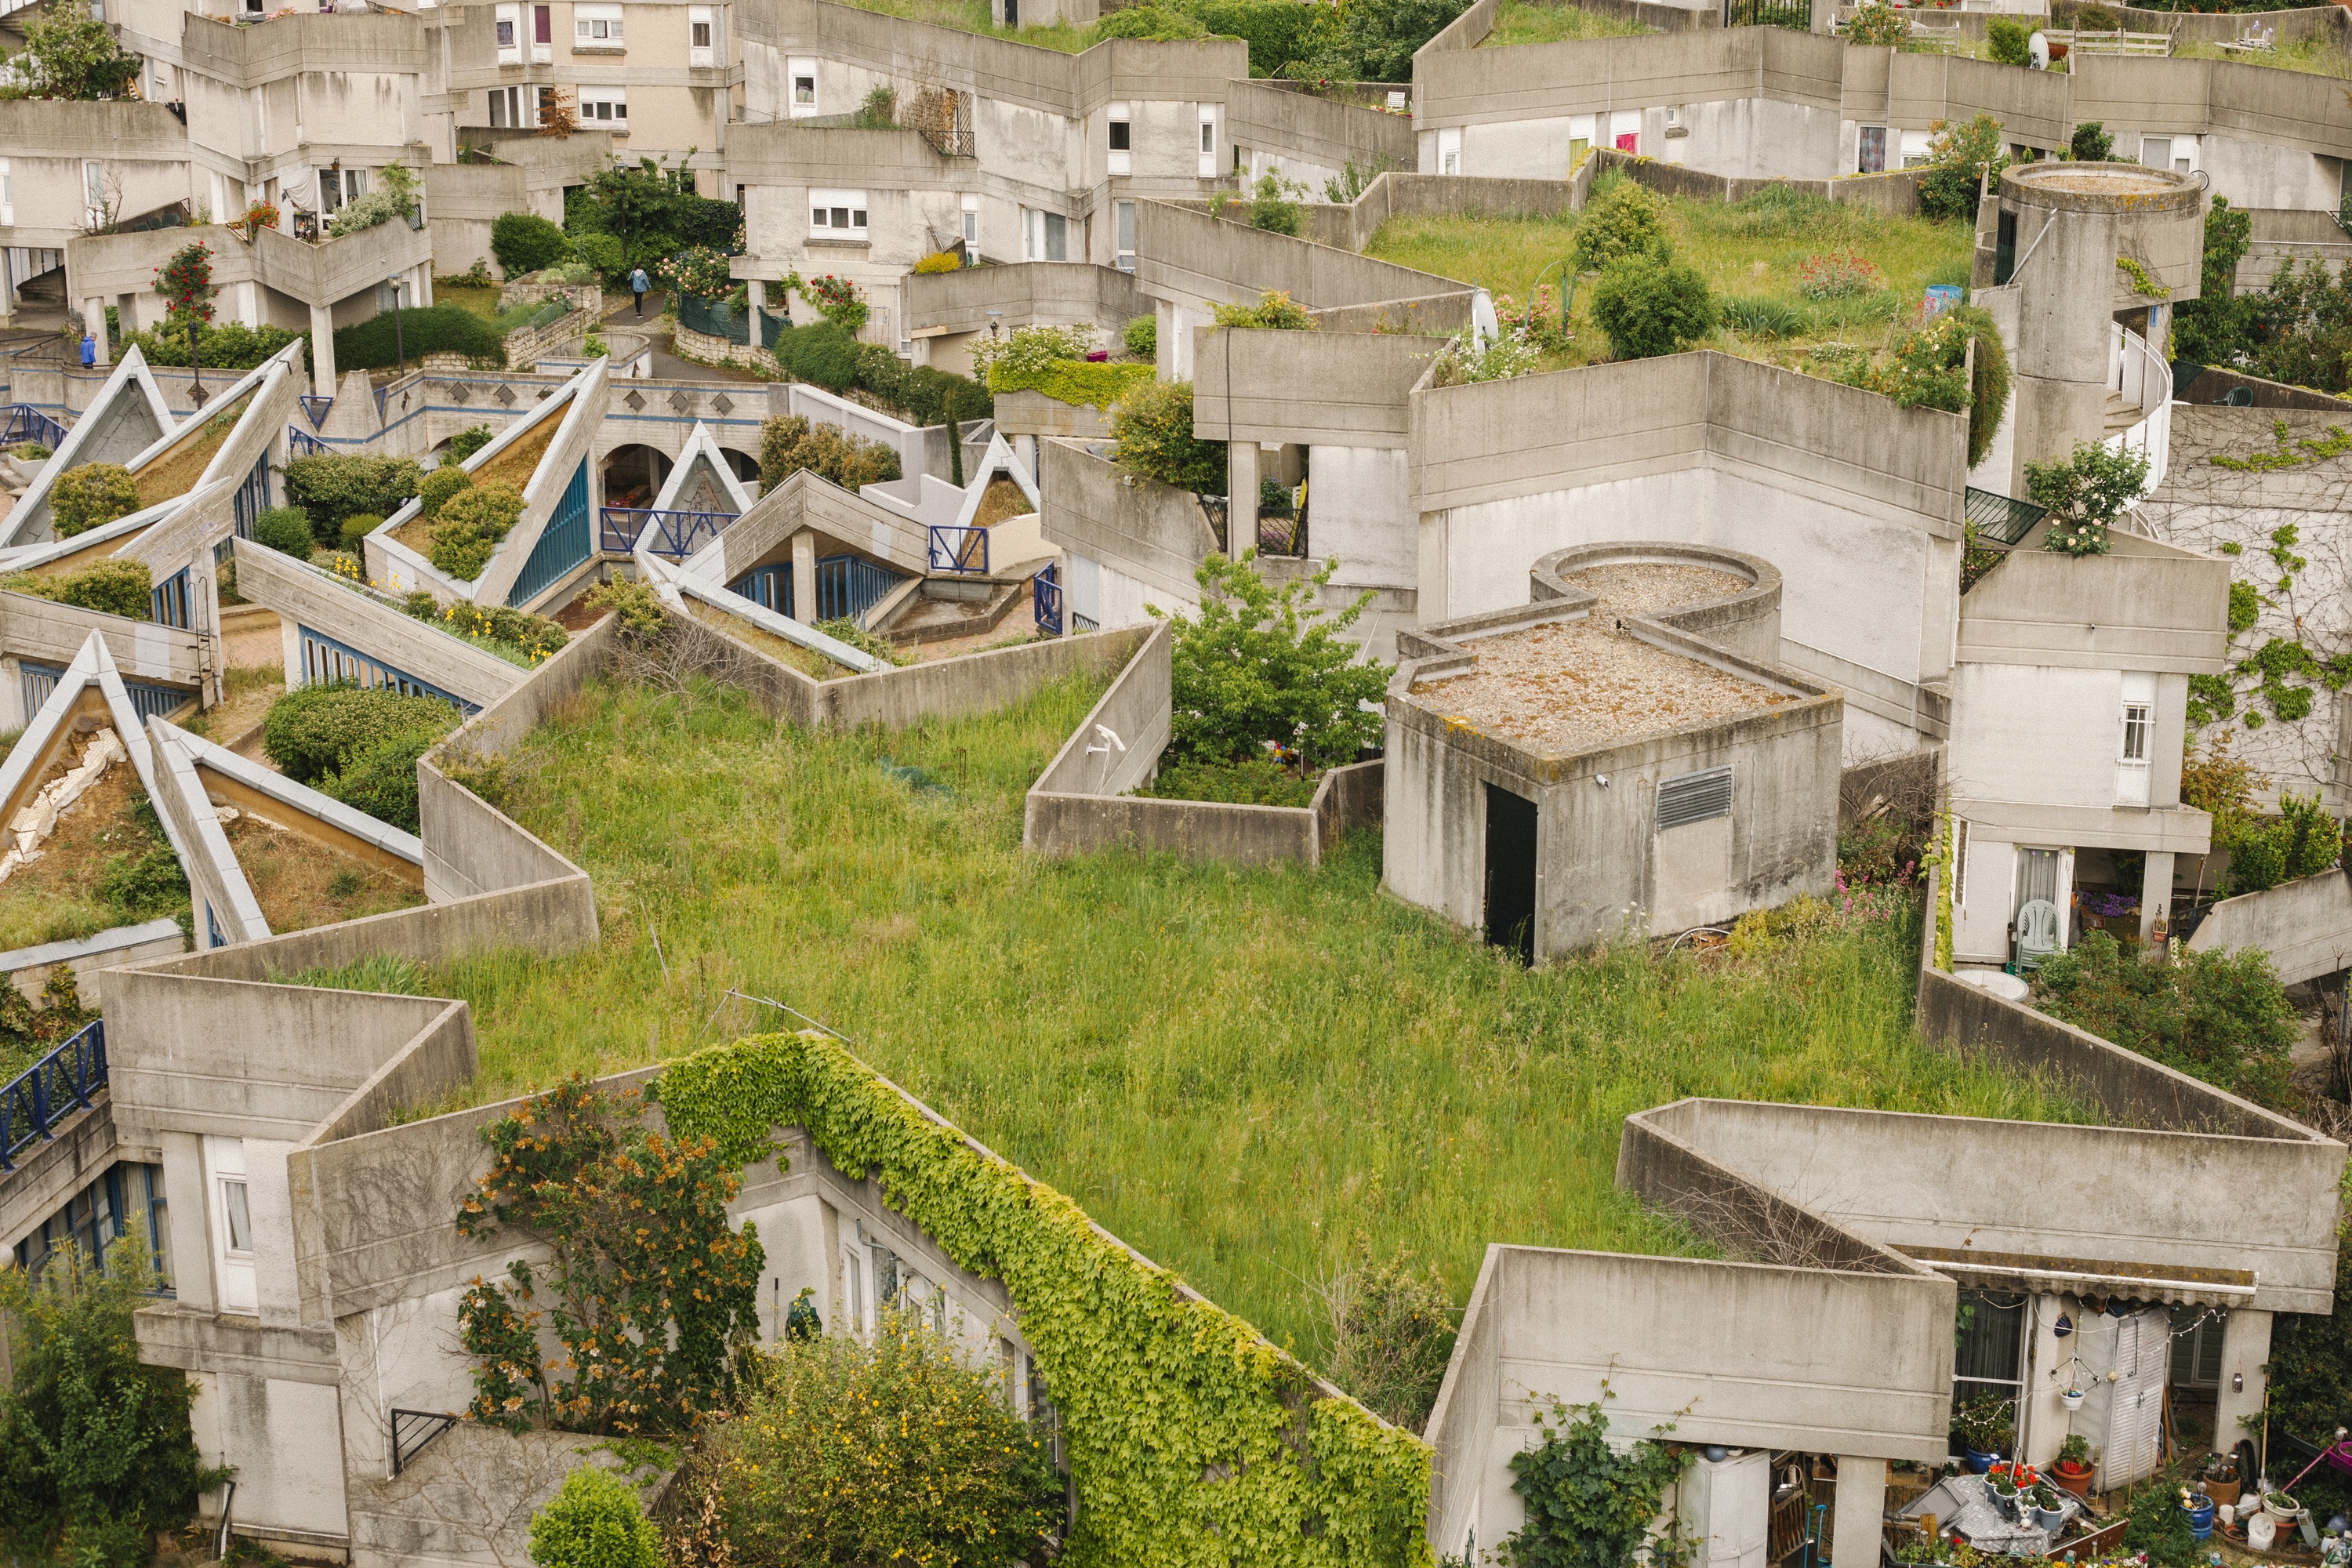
[[638, 284]]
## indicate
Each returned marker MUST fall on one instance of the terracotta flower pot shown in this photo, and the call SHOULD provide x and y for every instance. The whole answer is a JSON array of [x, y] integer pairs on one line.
[[2074, 1479]]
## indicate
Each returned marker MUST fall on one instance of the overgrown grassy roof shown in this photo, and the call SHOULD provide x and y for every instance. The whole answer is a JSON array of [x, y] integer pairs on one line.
[[1238, 1071]]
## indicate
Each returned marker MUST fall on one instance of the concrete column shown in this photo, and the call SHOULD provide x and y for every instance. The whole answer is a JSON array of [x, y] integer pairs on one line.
[[2156, 893], [422, 292], [2245, 1347], [804, 577], [1240, 496], [186, 1200], [1861, 1507], [322, 350], [93, 318]]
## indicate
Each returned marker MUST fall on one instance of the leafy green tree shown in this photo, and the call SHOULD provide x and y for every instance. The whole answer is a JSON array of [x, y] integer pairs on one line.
[[1153, 426], [1262, 664], [2091, 143], [594, 1521], [2220, 1017], [526, 242], [1877, 25], [68, 54], [465, 444], [651, 210], [2216, 328], [1958, 155], [1624, 219], [2302, 326], [2008, 42], [1649, 306], [2085, 494], [1374, 40], [93, 1445], [1588, 1506]]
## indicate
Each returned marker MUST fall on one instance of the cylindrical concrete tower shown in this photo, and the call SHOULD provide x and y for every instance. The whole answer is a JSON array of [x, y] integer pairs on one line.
[[2078, 251]]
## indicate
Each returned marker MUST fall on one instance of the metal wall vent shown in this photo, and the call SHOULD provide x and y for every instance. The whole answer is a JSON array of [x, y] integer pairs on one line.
[[1695, 798]]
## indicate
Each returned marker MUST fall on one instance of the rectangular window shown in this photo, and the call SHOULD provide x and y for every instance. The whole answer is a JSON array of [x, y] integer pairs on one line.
[[803, 99], [542, 24], [604, 106], [2135, 728], [1120, 140], [1449, 150], [236, 1217], [1124, 213], [804, 91], [1208, 142], [1872, 157], [1989, 1350], [1054, 242], [596, 26], [2136, 743], [970, 229], [2156, 152], [7, 196], [500, 117], [836, 215], [93, 185], [701, 34], [509, 35]]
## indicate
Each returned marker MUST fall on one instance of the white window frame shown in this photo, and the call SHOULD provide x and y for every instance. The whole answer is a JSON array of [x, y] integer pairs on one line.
[[517, 102], [705, 53], [1208, 141], [837, 215], [1910, 148], [2179, 153], [505, 25], [1122, 233], [1037, 226], [7, 196], [541, 54], [970, 229], [615, 98], [1449, 150], [1120, 126], [597, 29], [796, 72], [2135, 738], [1887, 141], [233, 1267]]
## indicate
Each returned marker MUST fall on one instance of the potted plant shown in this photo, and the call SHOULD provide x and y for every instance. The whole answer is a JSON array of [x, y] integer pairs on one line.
[[2222, 1483], [2199, 1509], [2002, 1484], [1984, 1425], [2074, 1471], [2048, 1514]]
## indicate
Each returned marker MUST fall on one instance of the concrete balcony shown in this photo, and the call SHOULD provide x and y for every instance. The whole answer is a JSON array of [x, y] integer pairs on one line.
[[315, 275], [248, 56]]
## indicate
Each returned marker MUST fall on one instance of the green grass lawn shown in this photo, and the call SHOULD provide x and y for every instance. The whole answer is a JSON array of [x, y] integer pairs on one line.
[[1237, 1071], [1526, 22], [973, 17], [481, 298]]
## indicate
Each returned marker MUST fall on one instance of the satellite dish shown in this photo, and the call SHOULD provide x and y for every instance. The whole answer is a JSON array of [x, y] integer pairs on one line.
[[2040, 48], [1483, 328]]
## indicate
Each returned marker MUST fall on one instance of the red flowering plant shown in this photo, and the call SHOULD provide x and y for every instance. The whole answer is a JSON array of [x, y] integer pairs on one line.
[[258, 216], [837, 300], [185, 281]]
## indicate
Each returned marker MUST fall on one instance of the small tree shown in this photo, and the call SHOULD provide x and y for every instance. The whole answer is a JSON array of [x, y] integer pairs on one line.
[[2008, 42], [652, 1294], [1877, 25], [594, 1521], [2085, 494], [2220, 1017], [1588, 1506], [791, 443], [185, 281], [1264, 664], [1650, 307], [2091, 143], [1153, 427], [1958, 157], [2215, 328], [91, 495], [525, 242], [68, 54]]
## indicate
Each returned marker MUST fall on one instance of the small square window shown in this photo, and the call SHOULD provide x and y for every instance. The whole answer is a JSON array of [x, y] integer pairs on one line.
[[700, 38], [804, 89], [1118, 135], [505, 35]]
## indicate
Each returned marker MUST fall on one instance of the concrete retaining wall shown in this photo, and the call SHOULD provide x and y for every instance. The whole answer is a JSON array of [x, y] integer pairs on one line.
[[2304, 925], [302, 595]]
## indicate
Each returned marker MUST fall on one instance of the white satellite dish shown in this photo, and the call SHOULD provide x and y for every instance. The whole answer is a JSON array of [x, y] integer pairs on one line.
[[1483, 328], [2039, 46]]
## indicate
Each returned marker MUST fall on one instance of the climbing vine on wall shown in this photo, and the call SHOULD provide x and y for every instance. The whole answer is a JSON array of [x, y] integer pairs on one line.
[[2289, 453], [2283, 671], [2144, 286], [1190, 1439]]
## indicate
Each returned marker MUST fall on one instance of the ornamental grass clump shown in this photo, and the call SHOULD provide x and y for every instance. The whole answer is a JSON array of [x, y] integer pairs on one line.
[[89, 497], [887, 1449]]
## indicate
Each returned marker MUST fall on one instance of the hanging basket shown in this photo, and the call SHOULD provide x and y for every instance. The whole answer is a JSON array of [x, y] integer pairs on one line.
[[2073, 1399]]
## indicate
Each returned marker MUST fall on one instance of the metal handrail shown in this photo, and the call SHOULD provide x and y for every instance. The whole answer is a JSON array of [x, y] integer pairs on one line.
[[24, 422], [2002, 519], [959, 549], [302, 444], [423, 1425], [32, 1104], [677, 535], [1045, 591]]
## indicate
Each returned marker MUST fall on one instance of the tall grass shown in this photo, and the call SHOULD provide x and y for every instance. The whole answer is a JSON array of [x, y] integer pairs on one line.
[[1236, 1071], [1530, 22]]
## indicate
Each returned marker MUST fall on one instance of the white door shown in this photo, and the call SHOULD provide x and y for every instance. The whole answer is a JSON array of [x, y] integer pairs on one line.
[[232, 1224], [2134, 1413]]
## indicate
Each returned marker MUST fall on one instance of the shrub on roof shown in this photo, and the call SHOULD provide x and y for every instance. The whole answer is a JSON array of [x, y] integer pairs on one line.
[[465, 444], [1651, 306], [1624, 218], [1957, 157], [469, 526], [790, 444], [314, 731], [594, 1521], [113, 588], [429, 329], [1153, 424], [339, 485], [286, 528], [2220, 1017], [89, 497], [378, 777], [433, 492]]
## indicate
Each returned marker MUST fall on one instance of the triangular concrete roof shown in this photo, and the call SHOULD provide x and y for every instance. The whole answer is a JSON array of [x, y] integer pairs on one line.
[[676, 587], [128, 417], [1000, 458], [190, 770], [701, 456], [90, 681]]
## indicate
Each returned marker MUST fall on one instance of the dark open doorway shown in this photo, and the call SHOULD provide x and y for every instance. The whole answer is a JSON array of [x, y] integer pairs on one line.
[[1511, 872]]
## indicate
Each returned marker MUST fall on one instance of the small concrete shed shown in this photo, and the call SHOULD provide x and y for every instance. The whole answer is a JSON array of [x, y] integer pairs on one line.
[[1621, 756]]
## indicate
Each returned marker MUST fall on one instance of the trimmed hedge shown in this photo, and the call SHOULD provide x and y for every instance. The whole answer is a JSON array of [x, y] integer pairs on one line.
[[230, 346], [113, 588], [314, 731], [792, 443], [1076, 381], [430, 328], [287, 530], [828, 356], [469, 526], [525, 242], [341, 485], [90, 496]]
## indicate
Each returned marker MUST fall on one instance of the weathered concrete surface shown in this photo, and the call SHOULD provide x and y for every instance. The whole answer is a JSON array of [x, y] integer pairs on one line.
[[1336, 388], [469, 1498], [30, 968], [302, 595], [82, 1146], [2304, 925]]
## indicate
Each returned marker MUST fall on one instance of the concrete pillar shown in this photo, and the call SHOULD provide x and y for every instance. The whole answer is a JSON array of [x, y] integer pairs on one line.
[[191, 1234], [422, 292], [322, 350], [1855, 1520], [2042, 1418], [804, 577], [93, 319], [1240, 496], [2155, 892], [2245, 1348]]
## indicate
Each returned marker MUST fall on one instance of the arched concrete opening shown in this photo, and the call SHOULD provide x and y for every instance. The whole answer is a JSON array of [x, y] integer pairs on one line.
[[634, 474], [745, 465]]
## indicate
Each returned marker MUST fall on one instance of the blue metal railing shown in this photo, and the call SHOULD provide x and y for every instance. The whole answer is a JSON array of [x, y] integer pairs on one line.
[[326, 661], [171, 602], [23, 422], [957, 549], [561, 547], [148, 699], [847, 587], [252, 498], [316, 407], [302, 444], [54, 1087], [1045, 593], [678, 533]]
